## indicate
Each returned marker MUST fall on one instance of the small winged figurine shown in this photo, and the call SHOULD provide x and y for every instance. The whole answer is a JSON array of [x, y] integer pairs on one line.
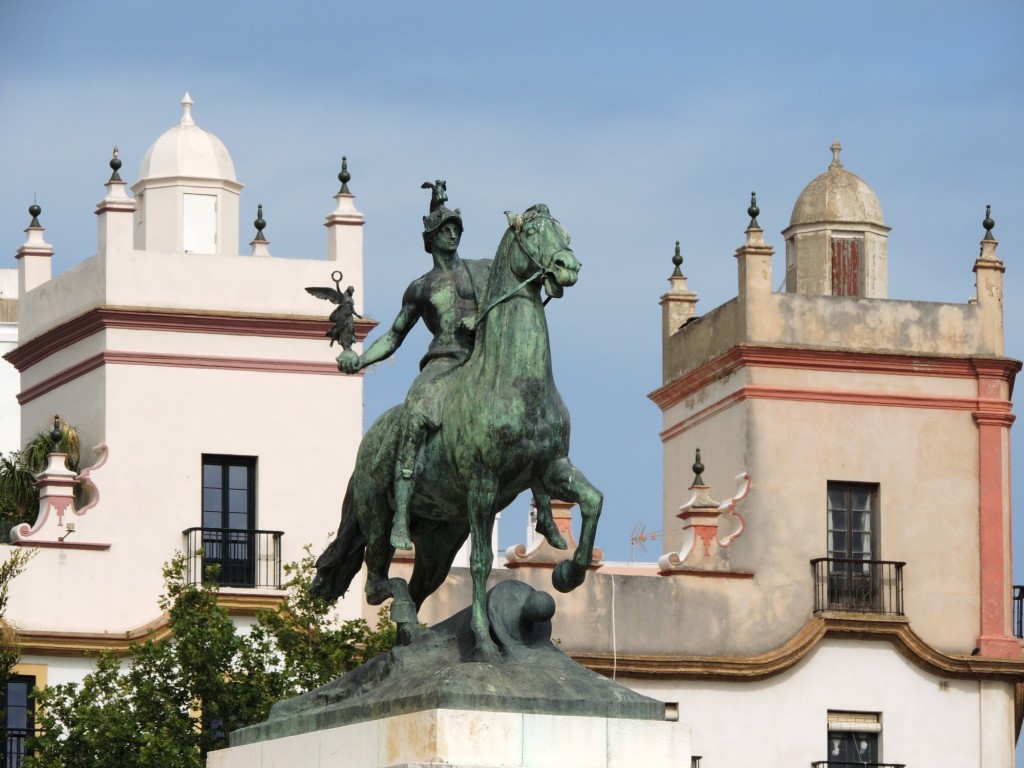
[[343, 330]]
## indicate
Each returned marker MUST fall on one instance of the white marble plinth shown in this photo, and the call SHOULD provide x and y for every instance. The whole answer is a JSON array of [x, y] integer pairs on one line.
[[466, 739]]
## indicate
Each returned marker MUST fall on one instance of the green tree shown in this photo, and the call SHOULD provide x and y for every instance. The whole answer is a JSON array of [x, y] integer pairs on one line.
[[15, 564], [19, 497], [315, 645], [171, 702]]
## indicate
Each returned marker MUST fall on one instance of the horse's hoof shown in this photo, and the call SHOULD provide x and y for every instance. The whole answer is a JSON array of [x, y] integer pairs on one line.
[[566, 577], [407, 633], [553, 537], [400, 541], [487, 654]]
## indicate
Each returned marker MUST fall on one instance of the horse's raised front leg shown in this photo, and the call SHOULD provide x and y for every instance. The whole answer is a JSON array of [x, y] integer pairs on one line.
[[546, 526], [564, 481], [480, 503]]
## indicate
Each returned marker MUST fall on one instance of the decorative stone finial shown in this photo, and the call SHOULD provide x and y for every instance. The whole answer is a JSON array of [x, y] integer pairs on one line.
[[836, 149], [260, 224], [753, 212], [698, 469], [115, 166], [186, 104], [989, 223], [34, 211], [56, 433], [677, 259], [344, 177]]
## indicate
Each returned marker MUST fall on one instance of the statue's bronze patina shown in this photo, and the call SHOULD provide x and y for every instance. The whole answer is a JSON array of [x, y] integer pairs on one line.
[[342, 319], [482, 423]]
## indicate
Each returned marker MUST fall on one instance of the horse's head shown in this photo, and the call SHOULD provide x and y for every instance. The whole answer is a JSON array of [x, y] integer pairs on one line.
[[544, 249]]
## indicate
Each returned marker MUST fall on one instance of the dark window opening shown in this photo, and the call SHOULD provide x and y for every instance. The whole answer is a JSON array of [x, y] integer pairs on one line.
[[229, 518], [853, 581], [19, 707]]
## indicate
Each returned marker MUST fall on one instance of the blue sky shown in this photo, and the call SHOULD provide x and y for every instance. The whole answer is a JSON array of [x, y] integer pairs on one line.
[[638, 125]]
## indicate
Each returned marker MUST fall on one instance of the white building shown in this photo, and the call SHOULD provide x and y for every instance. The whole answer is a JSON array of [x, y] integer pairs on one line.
[[10, 421], [207, 376]]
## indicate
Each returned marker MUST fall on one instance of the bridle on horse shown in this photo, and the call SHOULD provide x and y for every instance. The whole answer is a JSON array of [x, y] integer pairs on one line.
[[533, 260]]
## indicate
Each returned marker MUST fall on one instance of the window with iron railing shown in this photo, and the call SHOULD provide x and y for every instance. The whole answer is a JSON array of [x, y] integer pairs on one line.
[[18, 706], [234, 558], [862, 586], [852, 577], [228, 548]]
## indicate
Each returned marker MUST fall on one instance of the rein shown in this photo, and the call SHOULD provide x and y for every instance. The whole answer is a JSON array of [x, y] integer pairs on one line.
[[527, 281]]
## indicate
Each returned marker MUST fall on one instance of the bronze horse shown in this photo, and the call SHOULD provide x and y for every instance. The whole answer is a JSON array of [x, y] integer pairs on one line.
[[505, 430]]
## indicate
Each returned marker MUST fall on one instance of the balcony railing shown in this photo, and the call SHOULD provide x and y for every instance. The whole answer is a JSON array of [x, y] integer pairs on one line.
[[1018, 610], [864, 586], [847, 764], [234, 558], [14, 747]]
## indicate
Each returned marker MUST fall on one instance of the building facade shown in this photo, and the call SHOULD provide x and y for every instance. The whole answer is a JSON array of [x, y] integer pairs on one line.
[[204, 377], [876, 620]]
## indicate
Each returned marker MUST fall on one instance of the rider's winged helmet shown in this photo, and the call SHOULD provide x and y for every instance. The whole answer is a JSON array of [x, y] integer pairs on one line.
[[439, 212]]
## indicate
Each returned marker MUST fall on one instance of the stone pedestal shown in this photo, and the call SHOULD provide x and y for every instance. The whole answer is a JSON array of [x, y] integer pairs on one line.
[[472, 739]]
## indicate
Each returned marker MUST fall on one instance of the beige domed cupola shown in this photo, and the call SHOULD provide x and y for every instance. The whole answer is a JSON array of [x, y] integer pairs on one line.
[[836, 238], [187, 194]]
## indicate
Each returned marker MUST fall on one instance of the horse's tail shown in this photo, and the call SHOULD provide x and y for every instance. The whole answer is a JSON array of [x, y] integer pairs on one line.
[[343, 559]]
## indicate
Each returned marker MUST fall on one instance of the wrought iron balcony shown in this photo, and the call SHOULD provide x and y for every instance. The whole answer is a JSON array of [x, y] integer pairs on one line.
[[14, 752], [1018, 610], [847, 764], [863, 586], [234, 557]]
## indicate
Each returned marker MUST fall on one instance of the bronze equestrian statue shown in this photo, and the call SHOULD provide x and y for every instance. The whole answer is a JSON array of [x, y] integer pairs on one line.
[[483, 423]]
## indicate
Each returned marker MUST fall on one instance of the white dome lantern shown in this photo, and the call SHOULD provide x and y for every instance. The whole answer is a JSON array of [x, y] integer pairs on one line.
[[187, 150], [836, 238], [187, 193]]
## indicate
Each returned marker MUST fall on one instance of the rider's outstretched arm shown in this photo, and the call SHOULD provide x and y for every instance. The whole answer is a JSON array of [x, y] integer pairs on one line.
[[384, 346]]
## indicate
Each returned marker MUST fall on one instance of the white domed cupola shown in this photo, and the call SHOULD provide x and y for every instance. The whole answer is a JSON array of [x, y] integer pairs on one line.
[[187, 194], [836, 238]]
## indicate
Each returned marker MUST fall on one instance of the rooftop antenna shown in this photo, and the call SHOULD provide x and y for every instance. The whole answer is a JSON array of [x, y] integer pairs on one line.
[[638, 539]]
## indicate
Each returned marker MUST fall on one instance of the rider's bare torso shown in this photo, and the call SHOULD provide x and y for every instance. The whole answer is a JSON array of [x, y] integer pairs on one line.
[[447, 298]]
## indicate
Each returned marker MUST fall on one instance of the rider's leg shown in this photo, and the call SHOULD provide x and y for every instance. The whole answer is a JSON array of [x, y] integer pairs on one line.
[[405, 479], [405, 482]]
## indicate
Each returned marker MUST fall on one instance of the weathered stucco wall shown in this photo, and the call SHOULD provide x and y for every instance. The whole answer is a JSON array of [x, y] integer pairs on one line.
[[829, 322], [796, 430]]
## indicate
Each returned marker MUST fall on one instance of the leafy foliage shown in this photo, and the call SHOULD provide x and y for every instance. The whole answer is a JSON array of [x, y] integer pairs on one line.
[[317, 646], [177, 699], [9, 570], [19, 497]]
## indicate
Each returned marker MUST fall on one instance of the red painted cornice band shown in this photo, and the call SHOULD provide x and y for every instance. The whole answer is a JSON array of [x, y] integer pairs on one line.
[[804, 358], [95, 320], [113, 357]]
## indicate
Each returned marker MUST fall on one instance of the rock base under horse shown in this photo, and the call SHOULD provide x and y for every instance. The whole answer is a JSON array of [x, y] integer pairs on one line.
[[435, 671]]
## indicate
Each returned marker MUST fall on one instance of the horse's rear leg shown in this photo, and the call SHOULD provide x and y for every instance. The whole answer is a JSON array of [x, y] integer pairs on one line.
[[379, 587], [564, 481]]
